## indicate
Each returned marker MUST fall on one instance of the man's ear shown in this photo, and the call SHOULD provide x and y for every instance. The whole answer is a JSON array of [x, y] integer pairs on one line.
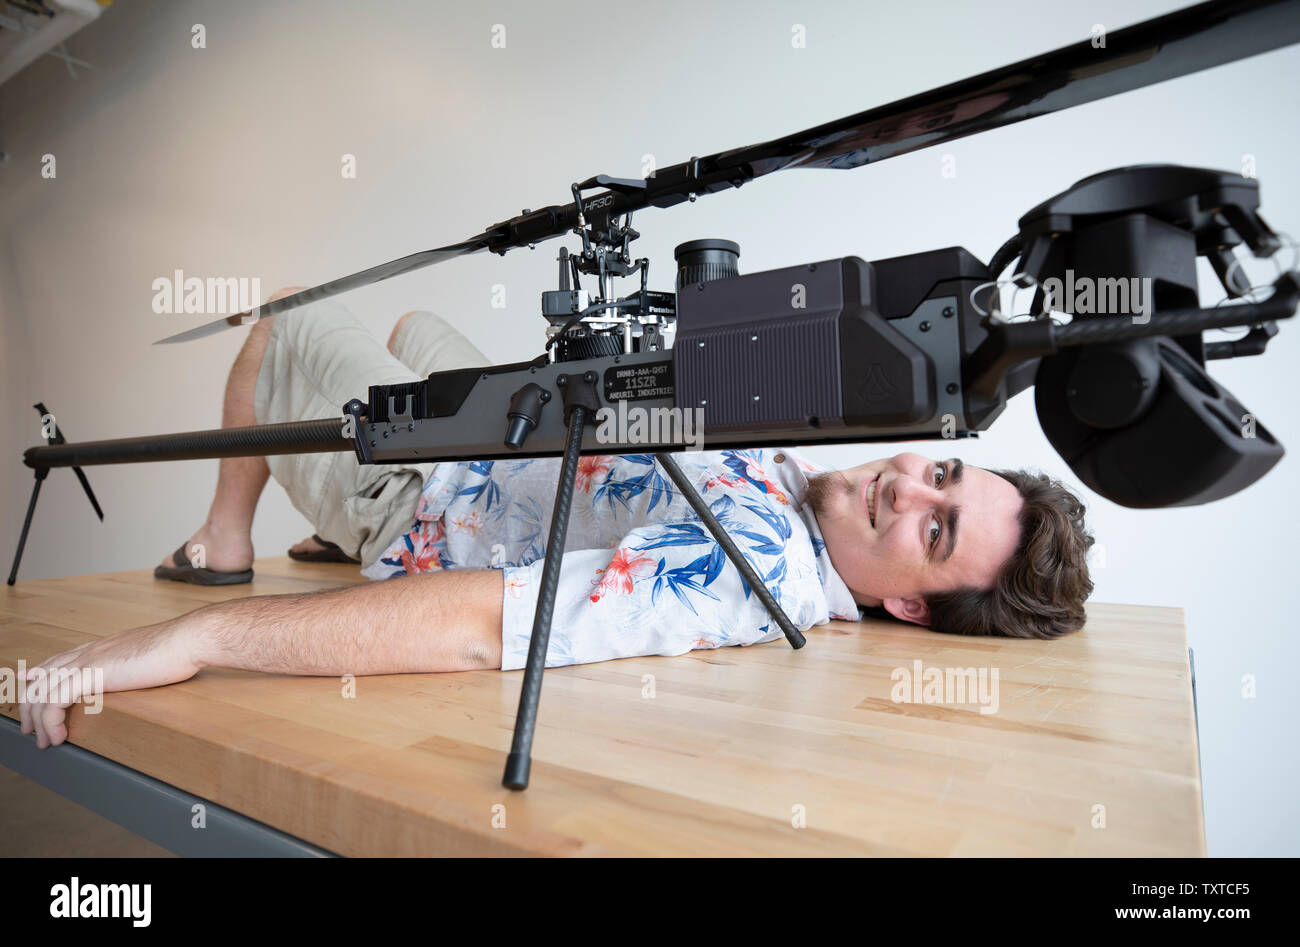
[[908, 609]]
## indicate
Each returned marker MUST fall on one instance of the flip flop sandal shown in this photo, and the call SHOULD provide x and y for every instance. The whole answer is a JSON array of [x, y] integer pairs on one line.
[[331, 553], [196, 576]]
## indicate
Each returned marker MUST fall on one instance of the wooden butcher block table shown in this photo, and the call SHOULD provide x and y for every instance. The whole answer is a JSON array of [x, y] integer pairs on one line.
[[1091, 750]]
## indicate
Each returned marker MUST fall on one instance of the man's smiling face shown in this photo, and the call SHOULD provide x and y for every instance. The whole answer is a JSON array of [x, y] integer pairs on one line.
[[904, 527]]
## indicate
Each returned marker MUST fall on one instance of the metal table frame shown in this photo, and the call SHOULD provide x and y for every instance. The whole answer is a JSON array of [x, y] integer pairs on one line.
[[144, 805]]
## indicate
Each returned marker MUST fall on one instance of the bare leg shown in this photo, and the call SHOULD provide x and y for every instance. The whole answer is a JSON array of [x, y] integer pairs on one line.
[[226, 537]]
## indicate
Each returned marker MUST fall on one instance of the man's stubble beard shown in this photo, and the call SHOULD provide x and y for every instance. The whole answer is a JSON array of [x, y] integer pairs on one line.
[[823, 487]]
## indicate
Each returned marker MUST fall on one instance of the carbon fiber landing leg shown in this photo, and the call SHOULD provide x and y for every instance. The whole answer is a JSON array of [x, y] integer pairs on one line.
[[792, 634], [580, 399]]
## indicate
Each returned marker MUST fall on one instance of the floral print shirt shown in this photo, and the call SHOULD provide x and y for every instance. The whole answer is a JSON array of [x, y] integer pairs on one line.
[[641, 573]]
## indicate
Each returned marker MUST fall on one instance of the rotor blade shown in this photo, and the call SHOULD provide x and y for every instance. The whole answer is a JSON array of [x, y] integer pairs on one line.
[[1177, 44], [375, 274]]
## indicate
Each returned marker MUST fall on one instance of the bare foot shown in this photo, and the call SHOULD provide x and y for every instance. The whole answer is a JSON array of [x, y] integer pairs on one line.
[[217, 549], [308, 545]]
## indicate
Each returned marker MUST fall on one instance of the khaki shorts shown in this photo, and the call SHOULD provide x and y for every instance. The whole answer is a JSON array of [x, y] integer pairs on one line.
[[319, 358]]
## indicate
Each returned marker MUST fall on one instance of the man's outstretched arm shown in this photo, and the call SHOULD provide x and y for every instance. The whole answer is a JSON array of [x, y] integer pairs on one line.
[[437, 621]]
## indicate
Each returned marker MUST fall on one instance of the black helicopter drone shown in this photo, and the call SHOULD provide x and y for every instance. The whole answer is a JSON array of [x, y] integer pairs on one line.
[[904, 348]]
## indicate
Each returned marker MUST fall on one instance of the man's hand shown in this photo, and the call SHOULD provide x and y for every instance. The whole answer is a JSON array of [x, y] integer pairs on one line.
[[142, 657]]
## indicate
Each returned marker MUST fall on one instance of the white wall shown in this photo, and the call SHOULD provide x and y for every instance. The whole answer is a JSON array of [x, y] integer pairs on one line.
[[225, 161]]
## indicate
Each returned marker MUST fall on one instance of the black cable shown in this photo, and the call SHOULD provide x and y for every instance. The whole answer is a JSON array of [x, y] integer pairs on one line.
[[1005, 255]]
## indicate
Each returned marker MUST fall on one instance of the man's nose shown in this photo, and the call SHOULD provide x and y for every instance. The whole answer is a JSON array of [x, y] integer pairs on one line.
[[909, 492]]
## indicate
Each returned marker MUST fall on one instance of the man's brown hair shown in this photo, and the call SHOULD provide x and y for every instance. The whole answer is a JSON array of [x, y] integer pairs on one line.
[[1041, 590]]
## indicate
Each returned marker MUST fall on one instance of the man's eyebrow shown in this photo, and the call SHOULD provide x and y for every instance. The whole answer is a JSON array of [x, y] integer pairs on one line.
[[954, 513], [952, 532]]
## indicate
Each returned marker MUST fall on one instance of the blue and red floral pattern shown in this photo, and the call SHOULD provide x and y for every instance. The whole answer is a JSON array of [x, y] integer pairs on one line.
[[641, 573]]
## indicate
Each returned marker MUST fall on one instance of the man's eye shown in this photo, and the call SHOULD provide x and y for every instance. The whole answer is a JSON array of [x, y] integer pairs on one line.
[[939, 476], [935, 530]]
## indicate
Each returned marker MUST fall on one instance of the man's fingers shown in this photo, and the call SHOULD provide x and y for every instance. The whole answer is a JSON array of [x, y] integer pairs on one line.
[[49, 694], [36, 725], [32, 700], [52, 720]]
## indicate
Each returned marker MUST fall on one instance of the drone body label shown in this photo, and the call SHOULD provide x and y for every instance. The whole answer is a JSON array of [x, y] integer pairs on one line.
[[639, 382]]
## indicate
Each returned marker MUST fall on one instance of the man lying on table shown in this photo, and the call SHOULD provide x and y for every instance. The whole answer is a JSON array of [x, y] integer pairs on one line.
[[933, 541]]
